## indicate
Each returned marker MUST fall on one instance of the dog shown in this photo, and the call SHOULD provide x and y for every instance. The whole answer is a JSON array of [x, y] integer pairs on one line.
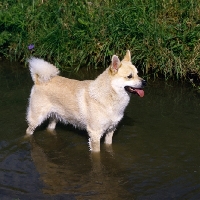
[[95, 105]]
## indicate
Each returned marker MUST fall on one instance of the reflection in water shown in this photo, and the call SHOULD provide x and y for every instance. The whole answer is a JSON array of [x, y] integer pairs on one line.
[[155, 151], [56, 165]]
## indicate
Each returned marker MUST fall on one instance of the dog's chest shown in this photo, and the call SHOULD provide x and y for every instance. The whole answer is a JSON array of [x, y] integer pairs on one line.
[[113, 116]]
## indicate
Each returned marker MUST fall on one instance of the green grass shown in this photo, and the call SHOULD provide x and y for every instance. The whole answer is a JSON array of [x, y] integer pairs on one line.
[[163, 35]]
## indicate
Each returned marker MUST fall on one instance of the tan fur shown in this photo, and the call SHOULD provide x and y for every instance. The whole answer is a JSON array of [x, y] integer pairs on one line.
[[95, 105]]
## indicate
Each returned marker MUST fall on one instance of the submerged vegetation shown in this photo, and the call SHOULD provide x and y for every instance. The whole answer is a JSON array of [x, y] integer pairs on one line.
[[163, 35]]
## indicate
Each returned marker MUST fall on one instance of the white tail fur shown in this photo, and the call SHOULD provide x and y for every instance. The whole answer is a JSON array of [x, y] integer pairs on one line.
[[41, 71]]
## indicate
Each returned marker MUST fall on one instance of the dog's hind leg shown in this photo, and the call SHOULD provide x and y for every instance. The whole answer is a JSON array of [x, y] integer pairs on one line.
[[52, 124], [30, 129], [35, 119]]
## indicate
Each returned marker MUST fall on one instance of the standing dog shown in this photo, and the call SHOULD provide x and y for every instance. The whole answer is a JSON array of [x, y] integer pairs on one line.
[[95, 105]]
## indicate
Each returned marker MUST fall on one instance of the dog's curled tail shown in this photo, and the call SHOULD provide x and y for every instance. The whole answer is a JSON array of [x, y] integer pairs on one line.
[[41, 71]]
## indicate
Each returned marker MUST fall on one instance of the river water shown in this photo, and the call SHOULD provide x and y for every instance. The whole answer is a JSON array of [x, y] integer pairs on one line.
[[155, 152]]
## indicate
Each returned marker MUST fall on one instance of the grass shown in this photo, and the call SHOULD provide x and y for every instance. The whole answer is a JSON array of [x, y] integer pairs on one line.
[[163, 35]]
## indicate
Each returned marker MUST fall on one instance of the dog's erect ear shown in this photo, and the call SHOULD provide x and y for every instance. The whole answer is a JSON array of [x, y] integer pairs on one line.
[[127, 57], [115, 65]]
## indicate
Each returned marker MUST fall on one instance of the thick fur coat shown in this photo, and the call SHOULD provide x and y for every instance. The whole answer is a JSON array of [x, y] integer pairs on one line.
[[95, 105]]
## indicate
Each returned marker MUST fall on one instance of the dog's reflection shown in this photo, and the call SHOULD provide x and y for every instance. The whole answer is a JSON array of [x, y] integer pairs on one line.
[[74, 170]]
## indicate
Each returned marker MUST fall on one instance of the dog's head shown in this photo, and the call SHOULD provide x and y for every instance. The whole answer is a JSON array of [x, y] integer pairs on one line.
[[125, 76]]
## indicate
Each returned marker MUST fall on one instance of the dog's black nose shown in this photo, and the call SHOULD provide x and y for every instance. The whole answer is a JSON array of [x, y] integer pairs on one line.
[[144, 83]]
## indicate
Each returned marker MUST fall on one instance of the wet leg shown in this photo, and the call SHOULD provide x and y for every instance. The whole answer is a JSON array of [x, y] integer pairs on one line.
[[30, 129], [108, 137], [94, 140], [108, 142], [52, 124], [34, 120]]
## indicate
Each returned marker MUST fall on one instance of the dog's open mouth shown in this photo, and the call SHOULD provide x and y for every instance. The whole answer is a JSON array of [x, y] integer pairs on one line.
[[137, 91]]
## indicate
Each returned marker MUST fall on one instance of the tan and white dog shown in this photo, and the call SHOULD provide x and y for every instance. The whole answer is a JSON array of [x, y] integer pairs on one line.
[[95, 105]]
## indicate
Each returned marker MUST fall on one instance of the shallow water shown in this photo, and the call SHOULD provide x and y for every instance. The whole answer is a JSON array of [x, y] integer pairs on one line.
[[155, 151]]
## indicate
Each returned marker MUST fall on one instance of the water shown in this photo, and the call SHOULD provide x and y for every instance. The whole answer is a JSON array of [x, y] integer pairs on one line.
[[155, 152]]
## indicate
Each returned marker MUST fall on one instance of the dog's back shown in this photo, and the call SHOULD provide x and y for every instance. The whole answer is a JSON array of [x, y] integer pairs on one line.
[[54, 96]]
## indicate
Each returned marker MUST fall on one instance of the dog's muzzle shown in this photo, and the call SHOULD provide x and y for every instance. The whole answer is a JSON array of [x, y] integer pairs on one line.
[[144, 83], [138, 91]]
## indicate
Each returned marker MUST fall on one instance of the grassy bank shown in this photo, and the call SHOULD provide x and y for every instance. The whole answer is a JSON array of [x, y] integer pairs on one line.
[[163, 35]]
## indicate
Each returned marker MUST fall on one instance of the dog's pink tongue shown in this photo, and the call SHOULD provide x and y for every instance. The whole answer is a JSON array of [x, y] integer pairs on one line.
[[140, 92]]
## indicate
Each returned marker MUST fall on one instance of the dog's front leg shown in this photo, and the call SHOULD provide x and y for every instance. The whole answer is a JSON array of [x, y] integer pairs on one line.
[[108, 137], [94, 140], [94, 144]]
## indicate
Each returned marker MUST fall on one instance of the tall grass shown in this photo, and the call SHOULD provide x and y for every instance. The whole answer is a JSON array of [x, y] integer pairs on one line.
[[163, 35]]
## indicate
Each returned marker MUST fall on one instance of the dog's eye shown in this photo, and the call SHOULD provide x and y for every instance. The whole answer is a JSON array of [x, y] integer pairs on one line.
[[130, 76]]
